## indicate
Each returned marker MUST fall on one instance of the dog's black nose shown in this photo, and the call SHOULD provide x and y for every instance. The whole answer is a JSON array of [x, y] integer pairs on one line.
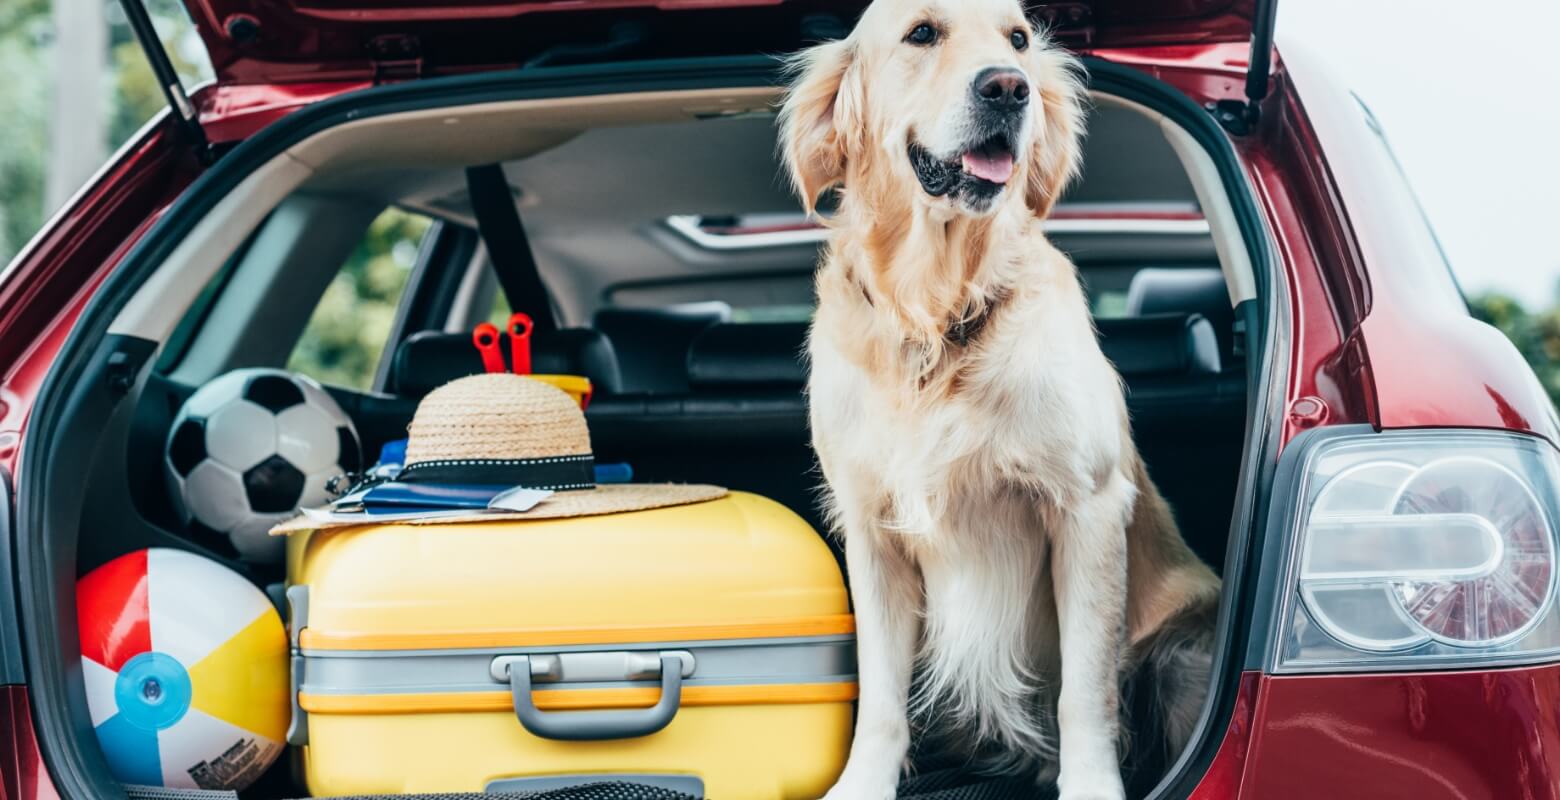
[[1002, 87]]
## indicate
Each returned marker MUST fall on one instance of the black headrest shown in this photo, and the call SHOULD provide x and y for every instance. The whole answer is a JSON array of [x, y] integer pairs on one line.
[[652, 343], [1157, 290], [430, 359], [1186, 291], [760, 355], [1160, 344], [770, 355]]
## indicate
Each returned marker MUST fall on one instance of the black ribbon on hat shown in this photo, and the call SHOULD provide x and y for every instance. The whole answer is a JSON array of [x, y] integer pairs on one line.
[[555, 473]]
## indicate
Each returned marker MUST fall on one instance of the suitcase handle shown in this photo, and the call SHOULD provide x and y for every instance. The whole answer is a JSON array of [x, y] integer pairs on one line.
[[585, 726]]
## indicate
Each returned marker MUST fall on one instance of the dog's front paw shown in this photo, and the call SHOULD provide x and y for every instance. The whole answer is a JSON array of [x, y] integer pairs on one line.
[[850, 789], [1090, 771], [1093, 793], [1104, 786]]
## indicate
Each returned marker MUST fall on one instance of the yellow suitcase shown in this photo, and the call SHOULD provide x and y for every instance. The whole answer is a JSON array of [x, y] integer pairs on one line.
[[705, 648]]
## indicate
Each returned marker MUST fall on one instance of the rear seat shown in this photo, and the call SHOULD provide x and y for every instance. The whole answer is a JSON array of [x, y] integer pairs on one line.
[[743, 421], [1194, 436], [749, 357], [742, 425], [1157, 290], [768, 356], [652, 343]]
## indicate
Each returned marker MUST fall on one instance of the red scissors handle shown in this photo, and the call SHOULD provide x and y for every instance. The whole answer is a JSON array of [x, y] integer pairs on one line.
[[486, 339], [520, 327]]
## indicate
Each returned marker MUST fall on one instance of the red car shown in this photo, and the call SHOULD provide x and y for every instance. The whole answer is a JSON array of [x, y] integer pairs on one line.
[[1372, 471]]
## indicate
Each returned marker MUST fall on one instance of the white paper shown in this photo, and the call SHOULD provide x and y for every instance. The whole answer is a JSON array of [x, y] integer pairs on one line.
[[518, 499]]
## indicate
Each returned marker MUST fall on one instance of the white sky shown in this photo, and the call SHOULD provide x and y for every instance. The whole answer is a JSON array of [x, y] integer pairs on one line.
[[1469, 95]]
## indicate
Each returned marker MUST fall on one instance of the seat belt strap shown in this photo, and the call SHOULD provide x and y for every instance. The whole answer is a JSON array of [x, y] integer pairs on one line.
[[498, 221]]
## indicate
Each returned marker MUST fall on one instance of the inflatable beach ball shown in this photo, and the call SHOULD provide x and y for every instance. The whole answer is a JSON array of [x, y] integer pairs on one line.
[[185, 664]]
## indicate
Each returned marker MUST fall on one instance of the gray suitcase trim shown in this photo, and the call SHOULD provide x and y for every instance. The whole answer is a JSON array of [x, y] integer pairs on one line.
[[796, 660], [297, 620], [824, 659]]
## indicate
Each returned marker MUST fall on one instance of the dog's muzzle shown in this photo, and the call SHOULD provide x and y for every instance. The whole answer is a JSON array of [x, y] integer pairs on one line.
[[979, 172]]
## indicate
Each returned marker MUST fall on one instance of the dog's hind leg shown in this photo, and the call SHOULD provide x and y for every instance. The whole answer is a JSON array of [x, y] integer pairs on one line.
[[1089, 569], [886, 594]]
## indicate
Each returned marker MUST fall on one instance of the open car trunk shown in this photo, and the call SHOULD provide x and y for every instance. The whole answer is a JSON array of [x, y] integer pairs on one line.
[[1167, 240]]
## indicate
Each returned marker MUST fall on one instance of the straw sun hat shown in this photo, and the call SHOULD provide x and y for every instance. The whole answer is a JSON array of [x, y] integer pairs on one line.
[[505, 429]]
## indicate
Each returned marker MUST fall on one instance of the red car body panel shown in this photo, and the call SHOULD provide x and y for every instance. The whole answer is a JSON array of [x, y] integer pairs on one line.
[[232, 113], [1224, 775], [22, 772], [47, 285], [1470, 370], [1474, 735], [1356, 345], [284, 41]]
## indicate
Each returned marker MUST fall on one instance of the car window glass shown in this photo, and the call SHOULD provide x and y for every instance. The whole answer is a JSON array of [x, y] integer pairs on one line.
[[345, 337]]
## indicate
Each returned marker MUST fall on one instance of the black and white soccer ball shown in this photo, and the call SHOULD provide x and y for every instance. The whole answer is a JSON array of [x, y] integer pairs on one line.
[[251, 447]]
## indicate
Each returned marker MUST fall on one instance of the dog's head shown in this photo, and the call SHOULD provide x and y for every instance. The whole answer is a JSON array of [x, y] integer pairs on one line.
[[960, 102]]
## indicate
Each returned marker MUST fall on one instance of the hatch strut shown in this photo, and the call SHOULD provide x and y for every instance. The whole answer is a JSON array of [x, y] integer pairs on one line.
[[1238, 117], [167, 77]]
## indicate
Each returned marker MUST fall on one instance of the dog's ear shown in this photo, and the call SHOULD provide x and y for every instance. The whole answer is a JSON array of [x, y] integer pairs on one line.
[[1057, 151], [819, 123]]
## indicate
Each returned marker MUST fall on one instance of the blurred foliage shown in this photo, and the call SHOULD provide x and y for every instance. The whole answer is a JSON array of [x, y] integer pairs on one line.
[[24, 118], [501, 311], [346, 334], [131, 97], [1536, 335], [136, 95]]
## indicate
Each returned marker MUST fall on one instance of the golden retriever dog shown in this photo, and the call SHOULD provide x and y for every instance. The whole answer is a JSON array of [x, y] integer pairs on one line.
[[1003, 539]]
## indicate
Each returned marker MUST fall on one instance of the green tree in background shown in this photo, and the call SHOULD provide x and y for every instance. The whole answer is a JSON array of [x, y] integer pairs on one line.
[[130, 98], [136, 97], [346, 334], [24, 113], [1536, 335]]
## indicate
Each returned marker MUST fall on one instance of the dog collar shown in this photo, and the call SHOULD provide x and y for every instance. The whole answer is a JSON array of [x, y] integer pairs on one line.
[[962, 331]]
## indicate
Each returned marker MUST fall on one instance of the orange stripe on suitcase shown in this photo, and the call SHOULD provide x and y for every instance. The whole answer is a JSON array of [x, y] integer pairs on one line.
[[577, 699]]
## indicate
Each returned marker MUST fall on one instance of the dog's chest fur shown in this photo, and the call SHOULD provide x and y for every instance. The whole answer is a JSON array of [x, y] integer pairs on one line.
[[966, 470]]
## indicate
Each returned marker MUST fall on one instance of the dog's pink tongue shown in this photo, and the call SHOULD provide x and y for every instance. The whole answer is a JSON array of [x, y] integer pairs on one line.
[[995, 168]]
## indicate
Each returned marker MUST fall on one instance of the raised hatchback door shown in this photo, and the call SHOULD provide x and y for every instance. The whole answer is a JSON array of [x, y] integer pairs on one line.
[[282, 41]]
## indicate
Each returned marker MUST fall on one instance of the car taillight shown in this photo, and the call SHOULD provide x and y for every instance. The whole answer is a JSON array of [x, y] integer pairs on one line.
[[1426, 549]]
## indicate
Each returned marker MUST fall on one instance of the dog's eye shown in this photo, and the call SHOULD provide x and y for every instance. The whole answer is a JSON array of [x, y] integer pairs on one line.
[[922, 35], [1020, 40]]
